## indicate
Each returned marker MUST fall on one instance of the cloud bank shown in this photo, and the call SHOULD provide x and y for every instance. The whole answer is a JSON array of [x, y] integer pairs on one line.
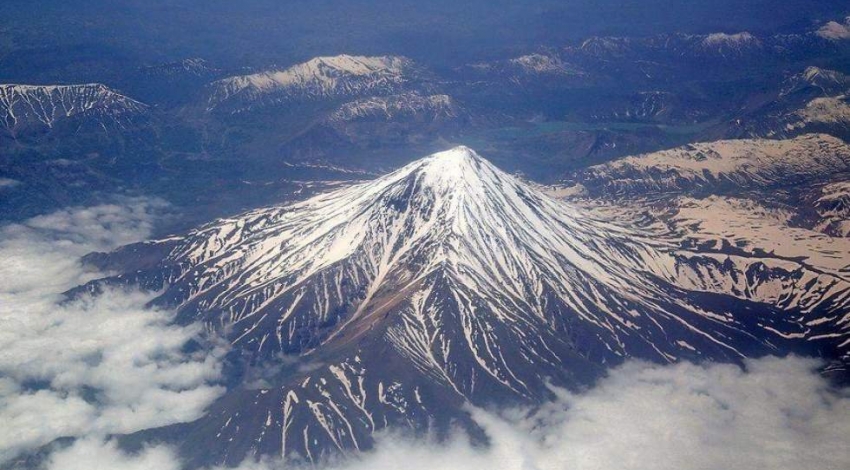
[[93, 366], [778, 414], [95, 454]]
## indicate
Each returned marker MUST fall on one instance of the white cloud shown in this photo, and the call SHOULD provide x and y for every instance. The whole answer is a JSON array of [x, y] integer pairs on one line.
[[93, 366], [41, 255], [835, 31], [93, 454], [779, 414]]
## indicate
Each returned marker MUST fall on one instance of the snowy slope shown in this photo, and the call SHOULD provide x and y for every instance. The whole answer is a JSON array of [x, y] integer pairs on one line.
[[321, 77], [833, 205], [827, 112], [824, 81], [735, 164], [449, 280], [717, 45], [543, 64], [33, 106], [730, 45], [531, 70], [811, 101], [411, 105], [785, 197], [503, 243]]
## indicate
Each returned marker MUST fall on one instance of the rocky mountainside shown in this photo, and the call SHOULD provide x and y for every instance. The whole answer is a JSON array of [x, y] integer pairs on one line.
[[444, 282], [27, 108], [785, 197], [344, 135], [413, 106], [811, 101], [322, 77], [734, 164]]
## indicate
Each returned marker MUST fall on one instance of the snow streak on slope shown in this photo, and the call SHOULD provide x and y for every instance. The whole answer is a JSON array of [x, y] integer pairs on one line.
[[44, 106], [730, 44], [827, 82], [680, 46], [833, 205], [731, 40], [404, 106], [527, 70], [812, 101], [543, 64], [322, 77], [834, 111]]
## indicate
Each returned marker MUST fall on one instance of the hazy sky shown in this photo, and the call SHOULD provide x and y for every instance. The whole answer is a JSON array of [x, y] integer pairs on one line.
[[53, 38]]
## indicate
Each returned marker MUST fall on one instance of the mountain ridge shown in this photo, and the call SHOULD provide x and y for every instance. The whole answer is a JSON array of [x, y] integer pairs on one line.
[[449, 281], [320, 77], [33, 106]]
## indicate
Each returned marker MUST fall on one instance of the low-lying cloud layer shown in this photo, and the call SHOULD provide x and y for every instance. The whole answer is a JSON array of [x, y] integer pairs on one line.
[[778, 414], [93, 366], [95, 454]]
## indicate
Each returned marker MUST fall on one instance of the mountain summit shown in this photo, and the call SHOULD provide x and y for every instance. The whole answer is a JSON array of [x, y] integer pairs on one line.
[[39, 107], [445, 282]]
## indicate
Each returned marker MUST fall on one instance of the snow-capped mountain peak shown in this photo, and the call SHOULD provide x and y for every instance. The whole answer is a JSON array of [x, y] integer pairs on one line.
[[412, 211], [448, 281], [451, 214], [823, 78], [334, 76], [46, 105], [411, 105], [456, 169], [816, 81], [729, 40]]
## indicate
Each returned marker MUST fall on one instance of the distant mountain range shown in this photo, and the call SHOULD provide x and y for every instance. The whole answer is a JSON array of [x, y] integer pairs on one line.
[[734, 165], [259, 132], [29, 108], [322, 77]]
